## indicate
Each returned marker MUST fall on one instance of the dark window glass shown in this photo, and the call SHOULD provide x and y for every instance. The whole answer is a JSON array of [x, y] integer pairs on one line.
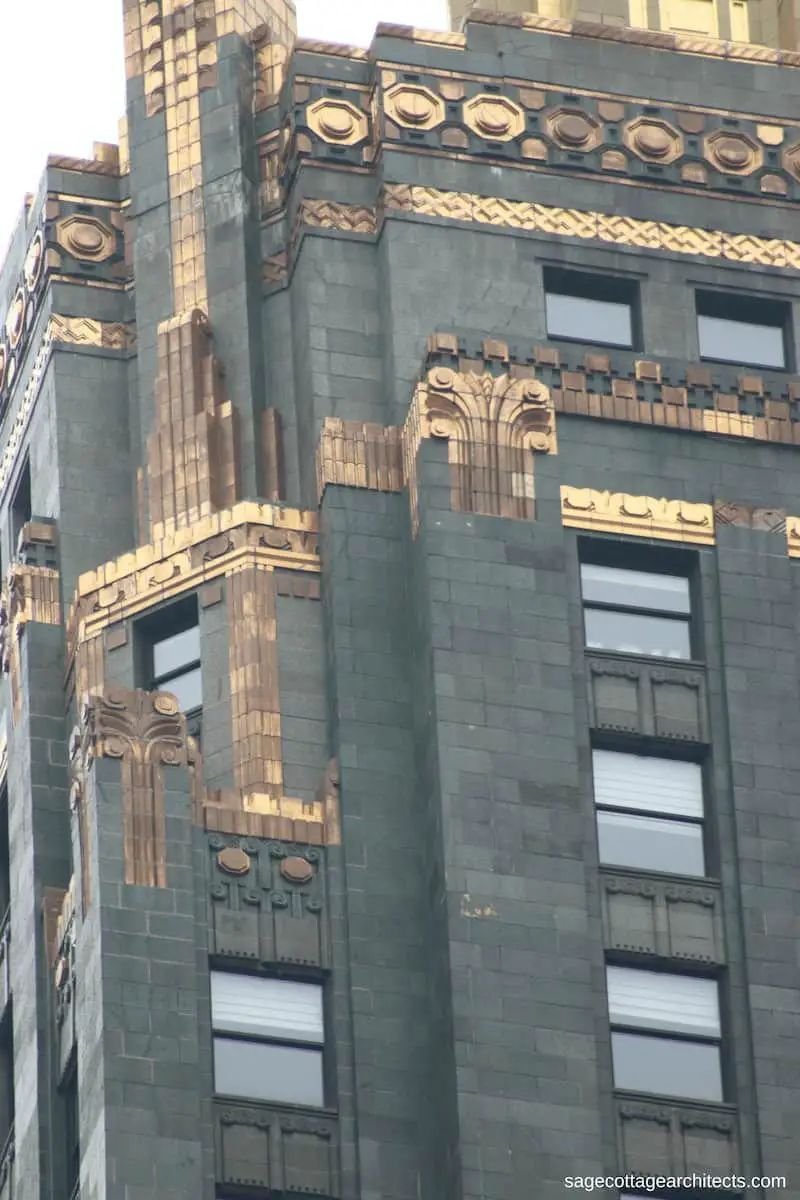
[[21, 510], [635, 633], [268, 1071], [624, 588], [650, 843], [666, 1066], [176, 652], [743, 329], [171, 644], [585, 320]]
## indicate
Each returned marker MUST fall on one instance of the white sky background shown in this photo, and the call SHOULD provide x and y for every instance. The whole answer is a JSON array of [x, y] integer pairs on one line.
[[62, 82]]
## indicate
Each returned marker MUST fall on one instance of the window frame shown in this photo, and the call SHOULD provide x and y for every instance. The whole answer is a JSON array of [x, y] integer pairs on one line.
[[579, 284], [157, 626], [738, 307], [675, 1036], [291, 1043], [688, 619], [700, 822]]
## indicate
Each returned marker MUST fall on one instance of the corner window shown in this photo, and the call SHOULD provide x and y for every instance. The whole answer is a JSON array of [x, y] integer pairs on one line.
[[171, 647], [649, 812], [636, 612], [744, 329], [665, 1034], [590, 308], [268, 1039]]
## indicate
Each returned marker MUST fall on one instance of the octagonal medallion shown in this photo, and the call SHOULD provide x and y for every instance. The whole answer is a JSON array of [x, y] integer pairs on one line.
[[573, 129], [337, 121], [86, 238], [494, 117], [413, 106], [733, 153], [653, 140], [790, 160]]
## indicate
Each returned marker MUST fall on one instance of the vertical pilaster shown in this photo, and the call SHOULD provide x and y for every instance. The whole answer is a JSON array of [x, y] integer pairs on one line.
[[143, 1089], [39, 840], [515, 837]]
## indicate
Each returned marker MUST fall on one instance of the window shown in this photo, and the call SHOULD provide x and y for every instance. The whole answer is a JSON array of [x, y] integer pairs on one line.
[[268, 1039], [665, 1034], [590, 308], [743, 329], [649, 812], [21, 511], [636, 612], [171, 639]]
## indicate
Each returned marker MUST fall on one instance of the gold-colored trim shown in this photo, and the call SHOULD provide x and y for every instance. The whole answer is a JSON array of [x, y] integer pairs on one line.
[[29, 593], [494, 117], [247, 535], [413, 106], [86, 238], [359, 454], [473, 209], [793, 537], [337, 121], [83, 331], [638, 516], [500, 213]]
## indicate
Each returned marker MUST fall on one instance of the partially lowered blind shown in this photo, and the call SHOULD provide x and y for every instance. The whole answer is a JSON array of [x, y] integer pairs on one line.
[[658, 785], [267, 1008], [672, 1003]]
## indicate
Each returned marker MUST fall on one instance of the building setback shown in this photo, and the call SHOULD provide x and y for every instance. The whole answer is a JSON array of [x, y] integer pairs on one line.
[[400, 520]]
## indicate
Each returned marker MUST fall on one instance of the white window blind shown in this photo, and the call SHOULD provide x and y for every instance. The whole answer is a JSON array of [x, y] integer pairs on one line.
[[671, 1003], [658, 785], [635, 589], [267, 1008]]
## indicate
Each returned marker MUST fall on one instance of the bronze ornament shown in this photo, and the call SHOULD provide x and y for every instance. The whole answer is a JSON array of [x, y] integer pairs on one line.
[[412, 106], [495, 117], [638, 516]]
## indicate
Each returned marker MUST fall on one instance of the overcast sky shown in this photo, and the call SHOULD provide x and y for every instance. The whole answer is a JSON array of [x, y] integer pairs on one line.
[[62, 80]]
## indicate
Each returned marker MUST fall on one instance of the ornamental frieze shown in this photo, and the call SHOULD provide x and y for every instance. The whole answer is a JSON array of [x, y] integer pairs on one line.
[[535, 126]]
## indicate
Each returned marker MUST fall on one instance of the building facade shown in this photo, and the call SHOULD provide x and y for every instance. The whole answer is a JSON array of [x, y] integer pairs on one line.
[[400, 530]]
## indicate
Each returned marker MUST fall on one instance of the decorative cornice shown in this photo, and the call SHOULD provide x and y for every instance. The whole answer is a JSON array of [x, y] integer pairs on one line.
[[638, 516], [213, 547], [528, 125]]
